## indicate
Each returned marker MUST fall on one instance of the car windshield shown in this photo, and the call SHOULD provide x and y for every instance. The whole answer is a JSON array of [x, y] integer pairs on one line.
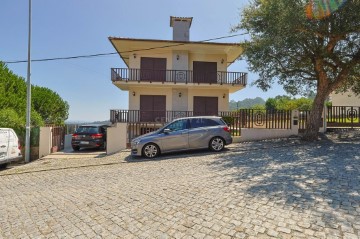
[[88, 129]]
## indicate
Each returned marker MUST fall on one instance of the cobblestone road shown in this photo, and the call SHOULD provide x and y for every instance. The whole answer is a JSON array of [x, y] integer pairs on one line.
[[272, 189]]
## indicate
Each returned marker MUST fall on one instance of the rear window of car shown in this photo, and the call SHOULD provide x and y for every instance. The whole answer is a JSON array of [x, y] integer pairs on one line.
[[88, 129], [201, 122]]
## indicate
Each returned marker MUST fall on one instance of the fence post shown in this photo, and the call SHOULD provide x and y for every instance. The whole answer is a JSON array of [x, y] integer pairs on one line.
[[325, 112], [295, 122]]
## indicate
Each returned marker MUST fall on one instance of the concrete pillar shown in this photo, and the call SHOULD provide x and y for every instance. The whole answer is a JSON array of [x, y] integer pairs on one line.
[[295, 121], [45, 142], [116, 138]]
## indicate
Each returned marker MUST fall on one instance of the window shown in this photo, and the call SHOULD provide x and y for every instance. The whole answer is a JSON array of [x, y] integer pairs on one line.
[[178, 125], [201, 122], [89, 130]]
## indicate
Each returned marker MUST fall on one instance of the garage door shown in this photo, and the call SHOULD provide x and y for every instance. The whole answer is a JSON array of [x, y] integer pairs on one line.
[[205, 105], [152, 108]]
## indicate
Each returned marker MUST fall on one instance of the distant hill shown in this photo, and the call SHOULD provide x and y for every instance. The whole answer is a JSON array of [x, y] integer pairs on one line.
[[246, 103]]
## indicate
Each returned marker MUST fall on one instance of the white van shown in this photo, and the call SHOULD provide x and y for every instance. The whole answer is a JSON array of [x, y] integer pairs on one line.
[[9, 146]]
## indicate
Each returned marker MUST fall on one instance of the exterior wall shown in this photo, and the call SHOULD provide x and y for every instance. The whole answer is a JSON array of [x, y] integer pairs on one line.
[[180, 103], [181, 30], [345, 99], [185, 61], [176, 103], [180, 60], [223, 103], [209, 58], [116, 138], [134, 101], [45, 141], [134, 62], [251, 134]]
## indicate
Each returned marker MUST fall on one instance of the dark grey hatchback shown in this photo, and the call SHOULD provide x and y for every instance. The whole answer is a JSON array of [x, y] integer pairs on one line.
[[184, 134], [89, 136]]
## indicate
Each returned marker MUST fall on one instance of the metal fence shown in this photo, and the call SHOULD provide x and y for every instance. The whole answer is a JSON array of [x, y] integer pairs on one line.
[[244, 118], [336, 117]]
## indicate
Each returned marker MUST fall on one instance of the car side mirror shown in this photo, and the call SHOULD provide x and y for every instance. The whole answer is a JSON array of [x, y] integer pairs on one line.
[[166, 131]]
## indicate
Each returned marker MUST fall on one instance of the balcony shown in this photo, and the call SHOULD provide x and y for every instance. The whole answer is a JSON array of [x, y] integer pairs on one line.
[[178, 76]]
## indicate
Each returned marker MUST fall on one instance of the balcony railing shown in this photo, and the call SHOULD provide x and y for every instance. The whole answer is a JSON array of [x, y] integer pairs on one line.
[[178, 76]]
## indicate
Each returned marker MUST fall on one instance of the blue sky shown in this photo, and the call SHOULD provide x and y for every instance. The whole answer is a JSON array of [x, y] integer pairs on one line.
[[80, 27]]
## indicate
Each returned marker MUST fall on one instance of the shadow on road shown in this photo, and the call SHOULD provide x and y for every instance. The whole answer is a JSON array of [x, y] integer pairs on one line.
[[302, 176]]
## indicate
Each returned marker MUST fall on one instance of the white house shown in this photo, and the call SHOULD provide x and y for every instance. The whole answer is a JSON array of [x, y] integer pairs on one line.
[[172, 78]]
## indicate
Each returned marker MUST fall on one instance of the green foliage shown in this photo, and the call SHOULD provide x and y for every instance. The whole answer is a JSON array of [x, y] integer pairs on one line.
[[229, 120], [9, 118], [258, 107], [246, 103], [47, 106], [302, 54], [287, 47], [286, 103]]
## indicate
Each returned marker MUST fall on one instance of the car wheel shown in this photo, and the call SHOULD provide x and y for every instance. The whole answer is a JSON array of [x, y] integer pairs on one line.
[[216, 144], [3, 166], [76, 148], [103, 147], [150, 150]]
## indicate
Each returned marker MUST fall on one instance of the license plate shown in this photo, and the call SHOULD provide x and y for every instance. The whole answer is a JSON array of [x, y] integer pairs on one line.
[[84, 142]]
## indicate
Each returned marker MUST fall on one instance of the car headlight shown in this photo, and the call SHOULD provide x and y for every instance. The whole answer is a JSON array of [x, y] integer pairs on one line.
[[135, 142]]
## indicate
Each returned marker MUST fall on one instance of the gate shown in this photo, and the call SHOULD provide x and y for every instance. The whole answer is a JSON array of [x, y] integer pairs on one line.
[[58, 138], [343, 117], [336, 117]]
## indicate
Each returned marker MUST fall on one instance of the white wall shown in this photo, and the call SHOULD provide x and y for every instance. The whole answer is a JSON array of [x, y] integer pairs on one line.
[[251, 134], [180, 103], [45, 141], [116, 138], [345, 99], [209, 58]]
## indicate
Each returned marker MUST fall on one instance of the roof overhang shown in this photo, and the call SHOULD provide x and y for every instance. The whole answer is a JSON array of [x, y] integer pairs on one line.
[[129, 46]]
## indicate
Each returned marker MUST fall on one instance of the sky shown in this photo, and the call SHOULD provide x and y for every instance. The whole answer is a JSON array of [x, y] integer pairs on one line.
[[65, 28]]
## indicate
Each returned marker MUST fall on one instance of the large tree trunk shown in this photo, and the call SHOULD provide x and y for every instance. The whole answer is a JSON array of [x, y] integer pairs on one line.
[[314, 121]]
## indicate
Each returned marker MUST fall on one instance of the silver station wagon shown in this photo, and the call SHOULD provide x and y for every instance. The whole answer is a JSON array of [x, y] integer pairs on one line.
[[184, 134]]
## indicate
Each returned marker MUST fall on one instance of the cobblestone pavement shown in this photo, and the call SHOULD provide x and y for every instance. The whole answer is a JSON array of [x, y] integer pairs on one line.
[[270, 189]]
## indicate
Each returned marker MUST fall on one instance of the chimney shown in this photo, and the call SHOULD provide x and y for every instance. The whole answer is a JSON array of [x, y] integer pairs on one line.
[[181, 28]]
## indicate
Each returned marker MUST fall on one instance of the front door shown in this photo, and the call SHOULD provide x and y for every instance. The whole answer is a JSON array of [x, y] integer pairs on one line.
[[205, 72], [152, 108], [205, 105]]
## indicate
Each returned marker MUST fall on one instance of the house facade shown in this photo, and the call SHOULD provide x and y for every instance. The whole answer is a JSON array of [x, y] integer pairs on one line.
[[175, 78]]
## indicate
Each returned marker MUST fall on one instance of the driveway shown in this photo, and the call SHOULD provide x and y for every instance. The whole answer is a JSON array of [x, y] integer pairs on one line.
[[269, 189]]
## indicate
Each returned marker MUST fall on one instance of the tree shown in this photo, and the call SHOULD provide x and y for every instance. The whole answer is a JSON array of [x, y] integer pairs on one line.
[[50, 105], [246, 103], [47, 106], [303, 54], [286, 103]]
